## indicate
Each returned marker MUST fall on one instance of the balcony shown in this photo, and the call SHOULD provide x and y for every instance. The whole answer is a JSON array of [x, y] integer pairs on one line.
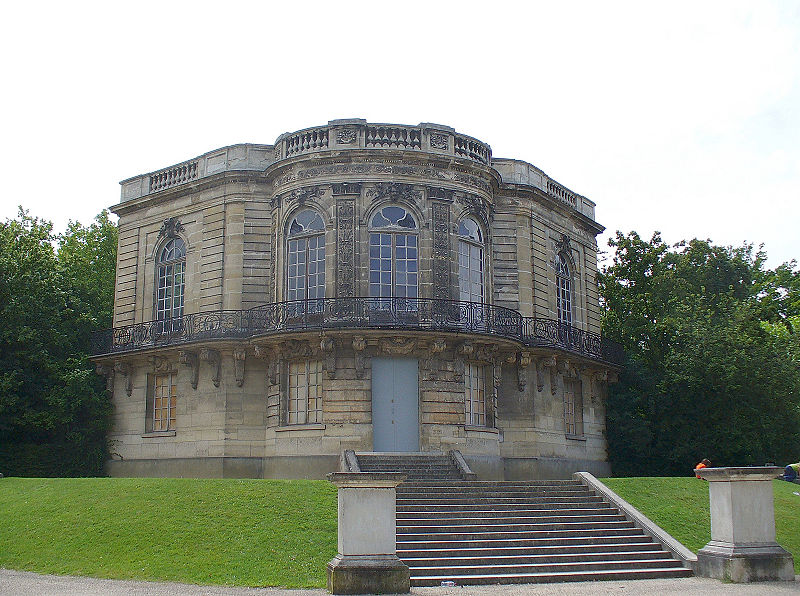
[[408, 314]]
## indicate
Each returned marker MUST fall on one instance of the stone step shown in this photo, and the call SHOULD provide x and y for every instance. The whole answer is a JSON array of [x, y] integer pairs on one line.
[[551, 577], [547, 567], [484, 513], [455, 507], [467, 528], [479, 532], [456, 500], [489, 484], [403, 493], [459, 534], [491, 521], [571, 540], [459, 551], [505, 560]]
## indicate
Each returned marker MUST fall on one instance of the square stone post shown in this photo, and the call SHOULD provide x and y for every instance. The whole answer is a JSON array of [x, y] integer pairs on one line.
[[743, 546], [367, 561]]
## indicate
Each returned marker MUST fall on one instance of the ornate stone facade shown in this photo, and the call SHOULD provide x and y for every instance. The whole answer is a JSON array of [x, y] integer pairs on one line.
[[273, 300]]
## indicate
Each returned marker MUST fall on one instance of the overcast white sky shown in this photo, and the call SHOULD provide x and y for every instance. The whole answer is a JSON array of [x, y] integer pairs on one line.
[[682, 117]]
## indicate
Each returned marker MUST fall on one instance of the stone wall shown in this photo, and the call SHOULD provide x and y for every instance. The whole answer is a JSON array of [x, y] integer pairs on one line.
[[233, 208]]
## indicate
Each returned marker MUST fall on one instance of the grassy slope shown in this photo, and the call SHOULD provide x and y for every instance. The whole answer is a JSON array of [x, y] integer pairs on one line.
[[680, 506], [233, 532], [253, 532]]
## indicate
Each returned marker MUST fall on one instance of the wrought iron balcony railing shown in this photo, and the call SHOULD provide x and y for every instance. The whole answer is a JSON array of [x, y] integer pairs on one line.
[[425, 314]]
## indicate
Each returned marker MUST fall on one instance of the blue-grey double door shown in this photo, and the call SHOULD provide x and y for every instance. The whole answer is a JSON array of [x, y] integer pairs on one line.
[[395, 404]]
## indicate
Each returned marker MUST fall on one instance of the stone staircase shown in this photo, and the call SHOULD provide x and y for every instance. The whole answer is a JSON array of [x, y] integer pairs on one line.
[[416, 466], [483, 532]]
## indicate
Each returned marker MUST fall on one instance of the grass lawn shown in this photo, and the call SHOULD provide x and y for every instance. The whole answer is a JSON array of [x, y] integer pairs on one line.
[[230, 532], [680, 506]]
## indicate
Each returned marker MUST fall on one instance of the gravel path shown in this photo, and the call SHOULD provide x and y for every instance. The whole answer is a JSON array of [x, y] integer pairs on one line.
[[22, 583]]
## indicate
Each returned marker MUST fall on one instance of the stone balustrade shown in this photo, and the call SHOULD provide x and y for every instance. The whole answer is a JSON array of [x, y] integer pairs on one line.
[[356, 134]]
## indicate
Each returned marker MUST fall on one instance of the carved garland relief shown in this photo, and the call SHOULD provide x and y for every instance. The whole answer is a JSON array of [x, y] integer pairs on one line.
[[345, 248], [441, 250]]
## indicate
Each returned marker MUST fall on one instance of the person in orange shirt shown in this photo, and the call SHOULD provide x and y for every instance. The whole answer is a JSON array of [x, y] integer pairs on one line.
[[703, 464]]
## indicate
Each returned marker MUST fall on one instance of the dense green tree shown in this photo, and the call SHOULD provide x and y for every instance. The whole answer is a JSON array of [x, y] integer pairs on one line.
[[54, 412], [706, 375]]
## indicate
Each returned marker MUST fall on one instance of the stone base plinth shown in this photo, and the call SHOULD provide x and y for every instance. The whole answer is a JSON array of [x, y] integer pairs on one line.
[[374, 574], [745, 563]]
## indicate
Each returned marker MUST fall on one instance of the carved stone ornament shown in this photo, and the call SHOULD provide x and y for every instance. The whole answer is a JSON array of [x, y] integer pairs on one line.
[[346, 188], [551, 364], [239, 359], [301, 195], [298, 348], [272, 358], [393, 190], [523, 361], [397, 345], [125, 370], [443, 194], [107, 372], [388, 167], [328, 347], [567, 368], [431, 364], [359, 345], [190, 359], [439, 140], [345, 248], [486, 353], [597, 378], [441, 250], [171, 228], [277, 151], [160, 364], [563, 245], [346, 136], [466, 349], [214, 359], [475, 206]]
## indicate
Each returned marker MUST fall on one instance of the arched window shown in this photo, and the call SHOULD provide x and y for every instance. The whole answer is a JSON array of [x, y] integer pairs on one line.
[[393, 254], [305, 265], [470, 261], [563, 290], [171, 280]]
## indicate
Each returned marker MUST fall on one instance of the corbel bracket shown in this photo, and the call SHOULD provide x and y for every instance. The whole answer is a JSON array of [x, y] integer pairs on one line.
[[214, 359], [239, 359], [431, 363], [328, 347], [523, 360], [270, 356], [359, 346], [190, 359], [125, 370], [107, 372]]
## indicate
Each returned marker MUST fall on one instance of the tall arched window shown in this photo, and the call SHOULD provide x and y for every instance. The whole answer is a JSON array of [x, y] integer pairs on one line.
[[171, 280], [470, 261], [393, 254], [305, 265], [563, 290]]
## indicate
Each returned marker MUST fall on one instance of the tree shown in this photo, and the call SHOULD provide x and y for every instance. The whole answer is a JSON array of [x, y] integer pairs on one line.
[[54, 412], [704, 376]]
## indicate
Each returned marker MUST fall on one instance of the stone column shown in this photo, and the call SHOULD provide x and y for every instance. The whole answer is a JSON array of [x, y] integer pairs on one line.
[[743, 546], [367, 561]]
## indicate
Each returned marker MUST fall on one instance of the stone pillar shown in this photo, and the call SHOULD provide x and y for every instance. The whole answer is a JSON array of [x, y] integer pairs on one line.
[[743, 546], [367, 561]]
